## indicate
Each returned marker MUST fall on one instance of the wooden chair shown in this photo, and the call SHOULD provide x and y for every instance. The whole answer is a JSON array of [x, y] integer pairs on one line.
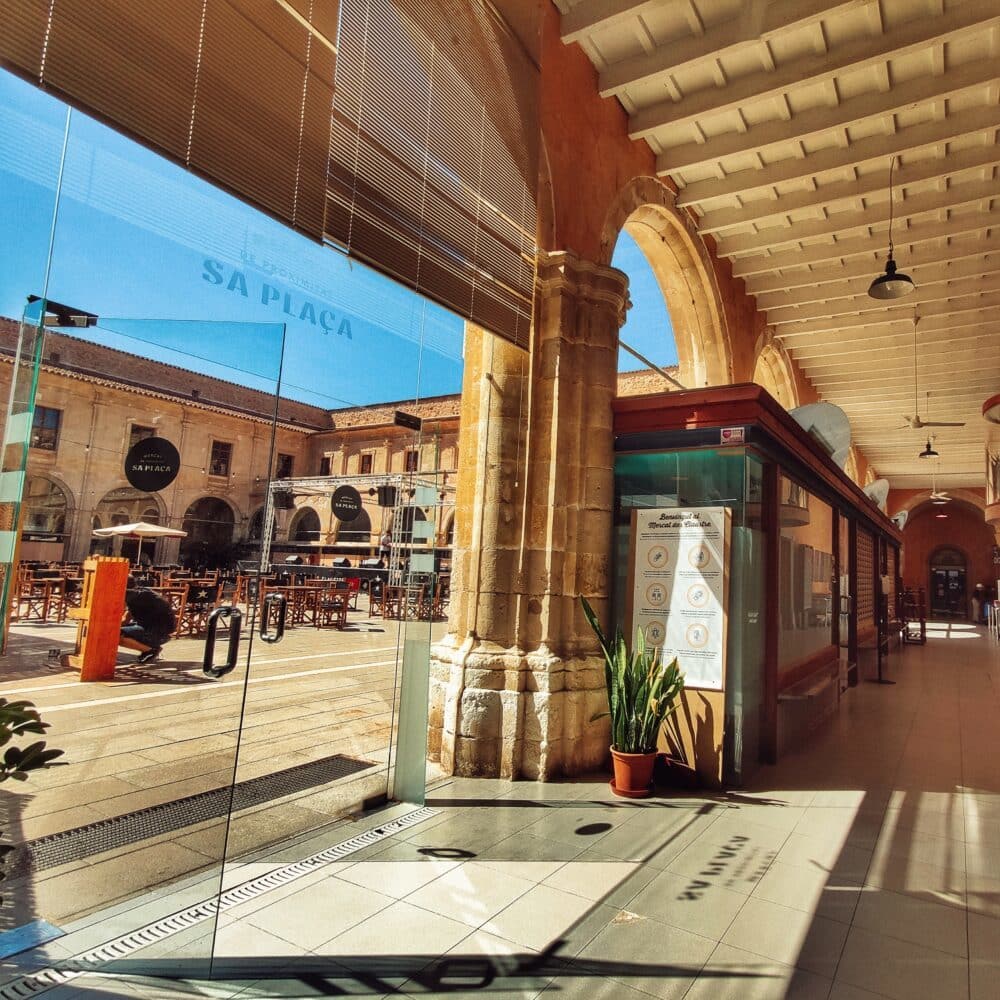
[[176, 597], [331, 607], [376, 599], [354, 588], [200, 601]]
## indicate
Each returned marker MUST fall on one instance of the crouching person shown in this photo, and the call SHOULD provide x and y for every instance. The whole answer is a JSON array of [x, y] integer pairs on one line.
[[151, 622]]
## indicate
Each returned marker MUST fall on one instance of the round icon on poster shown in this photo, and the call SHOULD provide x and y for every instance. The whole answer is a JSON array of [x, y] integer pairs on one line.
[[655, 633], [699, 557], [698, 595], [657, 557], [697, 635], [656, 594]]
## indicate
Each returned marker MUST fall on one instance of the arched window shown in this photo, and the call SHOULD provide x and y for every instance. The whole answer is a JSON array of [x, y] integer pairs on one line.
[[127, 505], [648, 328], [358, 531], [403, 523], [209, 523], [44, 509], [305, 526], [255, 531]]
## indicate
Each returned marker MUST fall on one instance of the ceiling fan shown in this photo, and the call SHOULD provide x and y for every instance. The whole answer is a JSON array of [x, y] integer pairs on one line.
[[915, 422], [937, 496]]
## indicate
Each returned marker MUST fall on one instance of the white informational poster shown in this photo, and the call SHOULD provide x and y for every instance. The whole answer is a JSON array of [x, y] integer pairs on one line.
[[679, 587]]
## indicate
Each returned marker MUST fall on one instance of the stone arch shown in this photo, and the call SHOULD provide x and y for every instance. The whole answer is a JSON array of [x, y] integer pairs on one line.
[[255, 527], [356, 532], [403, 522], [48, 506], [647, 210], [968, 497], [126, 504], [851, 466], [305, 526], [773, 370], [210, 523]]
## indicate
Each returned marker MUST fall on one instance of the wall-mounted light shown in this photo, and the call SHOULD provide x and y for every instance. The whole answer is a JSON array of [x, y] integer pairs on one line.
[[891, 284]]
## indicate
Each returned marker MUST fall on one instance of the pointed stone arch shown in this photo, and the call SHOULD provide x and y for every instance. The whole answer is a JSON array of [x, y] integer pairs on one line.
[[647, 210], [773, 370]]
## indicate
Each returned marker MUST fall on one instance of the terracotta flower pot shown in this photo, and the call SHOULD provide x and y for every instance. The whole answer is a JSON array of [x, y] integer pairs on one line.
[[633, 774]]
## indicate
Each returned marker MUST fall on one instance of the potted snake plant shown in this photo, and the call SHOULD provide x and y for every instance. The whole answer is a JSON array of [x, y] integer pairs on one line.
[[642, 693]]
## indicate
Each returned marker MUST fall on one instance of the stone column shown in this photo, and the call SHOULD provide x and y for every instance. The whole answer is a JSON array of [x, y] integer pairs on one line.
[[519, 675]]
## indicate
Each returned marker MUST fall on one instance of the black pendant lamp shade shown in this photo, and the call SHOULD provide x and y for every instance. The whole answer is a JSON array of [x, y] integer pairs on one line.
[[893, 284], [928, 452]]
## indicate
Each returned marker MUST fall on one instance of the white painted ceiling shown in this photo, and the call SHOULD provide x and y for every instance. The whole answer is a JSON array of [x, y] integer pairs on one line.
[[777, 121]]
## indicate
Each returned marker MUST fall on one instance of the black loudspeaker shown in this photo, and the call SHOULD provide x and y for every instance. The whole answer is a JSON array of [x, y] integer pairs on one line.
[[387, 496], [284, 499]]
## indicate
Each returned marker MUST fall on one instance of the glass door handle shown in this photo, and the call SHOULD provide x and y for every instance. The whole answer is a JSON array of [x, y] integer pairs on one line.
[[235, 619], [280, 604]]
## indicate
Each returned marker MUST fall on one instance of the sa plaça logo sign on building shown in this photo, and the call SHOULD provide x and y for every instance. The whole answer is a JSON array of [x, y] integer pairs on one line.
[[273, 296]]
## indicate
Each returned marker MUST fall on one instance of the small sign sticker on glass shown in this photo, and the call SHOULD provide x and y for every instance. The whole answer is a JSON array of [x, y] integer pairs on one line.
[[733, 435]]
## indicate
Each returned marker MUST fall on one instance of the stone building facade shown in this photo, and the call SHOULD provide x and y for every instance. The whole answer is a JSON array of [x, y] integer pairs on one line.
[[94, 402]]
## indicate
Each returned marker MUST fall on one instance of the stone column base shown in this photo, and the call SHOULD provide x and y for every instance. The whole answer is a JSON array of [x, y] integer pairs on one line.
[[503, 713]]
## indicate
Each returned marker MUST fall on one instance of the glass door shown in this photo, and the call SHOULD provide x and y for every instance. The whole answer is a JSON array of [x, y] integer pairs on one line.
[[246, 354], [149, 443]]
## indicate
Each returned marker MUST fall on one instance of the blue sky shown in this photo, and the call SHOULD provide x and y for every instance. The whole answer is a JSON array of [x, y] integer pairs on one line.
[[180, 271]]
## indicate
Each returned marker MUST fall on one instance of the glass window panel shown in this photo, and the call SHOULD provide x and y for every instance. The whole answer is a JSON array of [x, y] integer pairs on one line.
[[805, 575], [140, 433], [221, 455], [45, 428]]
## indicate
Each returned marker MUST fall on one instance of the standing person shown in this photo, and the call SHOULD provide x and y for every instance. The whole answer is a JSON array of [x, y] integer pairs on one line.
[[152, 622], [977, 603], [385, 545]]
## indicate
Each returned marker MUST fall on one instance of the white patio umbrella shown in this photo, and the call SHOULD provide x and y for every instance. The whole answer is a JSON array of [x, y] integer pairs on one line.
[[139, 530]]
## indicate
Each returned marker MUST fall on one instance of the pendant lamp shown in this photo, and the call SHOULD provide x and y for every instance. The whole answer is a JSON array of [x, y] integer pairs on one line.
[[892, 284], [928, 452]]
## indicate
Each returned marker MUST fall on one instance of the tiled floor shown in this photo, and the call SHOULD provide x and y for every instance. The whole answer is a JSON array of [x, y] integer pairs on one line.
[[865, 865]]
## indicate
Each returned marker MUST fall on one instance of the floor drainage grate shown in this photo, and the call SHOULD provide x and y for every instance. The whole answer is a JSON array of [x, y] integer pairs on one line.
[[130, 828], [121, 947]]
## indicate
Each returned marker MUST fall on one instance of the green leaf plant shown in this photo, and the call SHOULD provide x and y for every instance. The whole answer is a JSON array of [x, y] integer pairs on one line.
[[642, 690], [17, 719]]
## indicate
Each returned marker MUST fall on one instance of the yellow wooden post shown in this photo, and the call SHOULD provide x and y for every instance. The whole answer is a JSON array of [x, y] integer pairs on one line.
[[99, 617]]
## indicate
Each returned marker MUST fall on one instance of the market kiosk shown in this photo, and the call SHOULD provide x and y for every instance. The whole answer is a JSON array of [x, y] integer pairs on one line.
[[744, 549]]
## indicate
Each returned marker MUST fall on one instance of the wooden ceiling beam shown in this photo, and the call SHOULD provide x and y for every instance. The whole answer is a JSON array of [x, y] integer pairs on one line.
[[861, 304], [959, 312], [872, 219], [853, 191], [925, 259], [872, 149], [756, 23], [818, 121], [591, 16], [934, 278], [902, 39], [923, 232]]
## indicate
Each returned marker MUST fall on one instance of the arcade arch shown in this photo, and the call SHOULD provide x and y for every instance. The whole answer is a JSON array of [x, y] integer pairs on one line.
[[647, 211], [305, 526], [126, 505], [773, 371], [46, 508], [358, 531], [209, 523]]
